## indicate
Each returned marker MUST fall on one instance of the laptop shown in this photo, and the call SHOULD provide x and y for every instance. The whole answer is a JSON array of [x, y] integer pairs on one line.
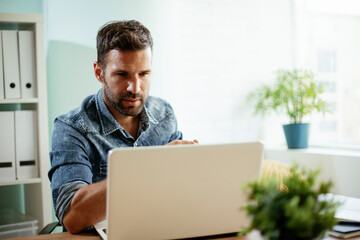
[[176, 192]]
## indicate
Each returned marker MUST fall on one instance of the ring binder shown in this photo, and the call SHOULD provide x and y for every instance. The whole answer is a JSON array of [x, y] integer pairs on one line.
[[11, 64], [27, 63], [7, 146], [26, 144], [1, 70]]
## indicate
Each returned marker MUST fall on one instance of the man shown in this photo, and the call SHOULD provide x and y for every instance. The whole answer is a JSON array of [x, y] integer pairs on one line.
[[121, 114]]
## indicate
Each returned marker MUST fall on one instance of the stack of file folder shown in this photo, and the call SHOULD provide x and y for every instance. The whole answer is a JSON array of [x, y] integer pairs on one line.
[[17, 64]]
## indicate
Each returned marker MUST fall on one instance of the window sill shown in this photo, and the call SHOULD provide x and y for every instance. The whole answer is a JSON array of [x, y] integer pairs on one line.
[[327, 151], [338, 165]]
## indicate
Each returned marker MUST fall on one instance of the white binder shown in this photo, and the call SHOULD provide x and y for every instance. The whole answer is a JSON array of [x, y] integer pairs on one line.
[[1, 70], [7, 146], [11, 64], [26, 144], [27, 64]]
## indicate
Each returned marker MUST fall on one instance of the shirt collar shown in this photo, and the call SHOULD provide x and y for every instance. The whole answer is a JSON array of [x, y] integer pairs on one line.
[[150, 116], [109, 123]]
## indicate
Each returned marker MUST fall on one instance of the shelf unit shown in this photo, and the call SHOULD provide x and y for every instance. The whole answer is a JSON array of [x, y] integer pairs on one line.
[[12, 101], [37, 193]]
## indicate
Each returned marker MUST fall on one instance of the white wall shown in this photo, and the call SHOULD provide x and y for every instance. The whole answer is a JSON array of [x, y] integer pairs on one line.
[[226, 49], [206, 77]]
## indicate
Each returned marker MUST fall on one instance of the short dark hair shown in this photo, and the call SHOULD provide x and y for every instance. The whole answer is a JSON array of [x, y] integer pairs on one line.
[[121, 35]]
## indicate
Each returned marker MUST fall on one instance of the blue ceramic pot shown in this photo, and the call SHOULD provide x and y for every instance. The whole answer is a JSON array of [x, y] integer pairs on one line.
[[297, 135]]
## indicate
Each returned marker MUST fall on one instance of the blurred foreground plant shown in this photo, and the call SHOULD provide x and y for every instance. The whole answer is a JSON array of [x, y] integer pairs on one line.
[[292, 212]]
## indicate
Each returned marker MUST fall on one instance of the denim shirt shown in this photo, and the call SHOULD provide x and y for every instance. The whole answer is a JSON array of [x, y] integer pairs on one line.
[[83, 137]]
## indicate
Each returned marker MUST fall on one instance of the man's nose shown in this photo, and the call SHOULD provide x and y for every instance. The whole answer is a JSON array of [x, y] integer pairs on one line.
[[134, 85]]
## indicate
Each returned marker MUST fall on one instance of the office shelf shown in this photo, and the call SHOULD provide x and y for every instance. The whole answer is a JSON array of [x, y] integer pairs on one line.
[[21, 181], [37, 193], [12, 101]]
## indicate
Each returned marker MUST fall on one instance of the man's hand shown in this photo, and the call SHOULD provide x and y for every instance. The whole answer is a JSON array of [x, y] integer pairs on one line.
[[181, 142]]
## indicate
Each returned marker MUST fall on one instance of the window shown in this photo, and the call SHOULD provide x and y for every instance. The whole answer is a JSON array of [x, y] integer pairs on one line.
[[223, 49], [327, 40]]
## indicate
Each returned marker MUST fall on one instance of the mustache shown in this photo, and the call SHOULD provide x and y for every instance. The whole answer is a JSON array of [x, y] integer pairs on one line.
[[131, 95]]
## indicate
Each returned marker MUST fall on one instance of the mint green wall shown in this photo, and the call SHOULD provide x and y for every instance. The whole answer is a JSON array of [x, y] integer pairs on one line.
[[13, 196], [21, 6]]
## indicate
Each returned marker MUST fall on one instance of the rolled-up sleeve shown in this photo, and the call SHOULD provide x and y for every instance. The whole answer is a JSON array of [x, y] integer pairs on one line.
[[69, 158], [65, 194]]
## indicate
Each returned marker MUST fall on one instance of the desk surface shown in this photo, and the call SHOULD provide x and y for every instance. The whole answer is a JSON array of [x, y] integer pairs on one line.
[[87, 236], [94, 236], [61, 236]]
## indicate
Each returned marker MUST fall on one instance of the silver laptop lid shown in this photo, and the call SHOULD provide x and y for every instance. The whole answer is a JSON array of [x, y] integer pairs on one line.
[[171, 192]]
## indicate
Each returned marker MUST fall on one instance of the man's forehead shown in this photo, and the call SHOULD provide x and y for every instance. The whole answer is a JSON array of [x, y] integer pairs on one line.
[[139, 52], [117, 58]]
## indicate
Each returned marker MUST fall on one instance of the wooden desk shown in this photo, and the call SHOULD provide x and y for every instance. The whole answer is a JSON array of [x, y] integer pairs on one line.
[[62, 236], [92, 235], [87, 236]]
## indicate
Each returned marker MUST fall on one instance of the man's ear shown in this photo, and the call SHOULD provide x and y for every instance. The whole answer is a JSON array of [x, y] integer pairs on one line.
[[98, 72]]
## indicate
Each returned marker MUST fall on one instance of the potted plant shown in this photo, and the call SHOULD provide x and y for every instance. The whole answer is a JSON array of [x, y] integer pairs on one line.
[[298, 94], [290, 209]]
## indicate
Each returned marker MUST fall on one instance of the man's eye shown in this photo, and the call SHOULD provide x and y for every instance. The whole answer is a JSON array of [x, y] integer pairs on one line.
[[144, 73], [123, 74]]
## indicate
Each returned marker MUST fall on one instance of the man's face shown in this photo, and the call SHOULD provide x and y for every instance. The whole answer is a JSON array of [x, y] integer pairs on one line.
[[127, 80]]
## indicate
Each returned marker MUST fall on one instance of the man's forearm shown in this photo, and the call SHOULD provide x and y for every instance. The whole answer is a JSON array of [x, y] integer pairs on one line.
[[87, 207]]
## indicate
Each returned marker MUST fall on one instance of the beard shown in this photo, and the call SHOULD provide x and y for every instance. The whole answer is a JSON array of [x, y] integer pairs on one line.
[[116, 101]]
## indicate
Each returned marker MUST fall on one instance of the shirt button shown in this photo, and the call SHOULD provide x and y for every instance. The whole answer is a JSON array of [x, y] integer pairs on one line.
[[135, 144]]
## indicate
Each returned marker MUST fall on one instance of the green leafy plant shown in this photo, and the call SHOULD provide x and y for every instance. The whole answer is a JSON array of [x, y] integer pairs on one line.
[[294, 91], [292, 211]]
